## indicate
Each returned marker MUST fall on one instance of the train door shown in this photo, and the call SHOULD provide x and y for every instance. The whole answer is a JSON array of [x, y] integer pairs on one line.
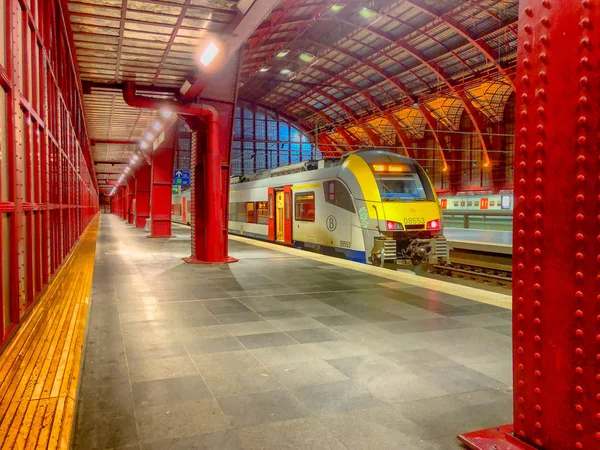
[[271, 221], [279, 216], [287, 219]]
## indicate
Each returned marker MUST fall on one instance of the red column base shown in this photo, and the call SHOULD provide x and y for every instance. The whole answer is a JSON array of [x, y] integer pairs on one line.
[[497, 438], [191, 260]]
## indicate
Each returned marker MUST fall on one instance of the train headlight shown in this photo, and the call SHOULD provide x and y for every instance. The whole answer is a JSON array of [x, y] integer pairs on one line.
[[433, 225], [394, 226]]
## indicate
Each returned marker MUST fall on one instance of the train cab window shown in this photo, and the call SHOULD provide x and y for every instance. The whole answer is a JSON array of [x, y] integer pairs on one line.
[[305, 207], [250, 212], [338, 194], [407, 187]]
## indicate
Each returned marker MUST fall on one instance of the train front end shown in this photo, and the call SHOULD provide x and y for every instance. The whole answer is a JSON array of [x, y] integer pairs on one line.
[[401, 208]]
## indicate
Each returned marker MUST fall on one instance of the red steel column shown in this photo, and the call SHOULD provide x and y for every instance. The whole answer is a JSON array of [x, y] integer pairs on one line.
[[142, 194], [130, 198], [556, 262], [162, 187]]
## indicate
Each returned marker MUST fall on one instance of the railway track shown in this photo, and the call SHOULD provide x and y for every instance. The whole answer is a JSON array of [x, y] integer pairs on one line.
[[492, 270]]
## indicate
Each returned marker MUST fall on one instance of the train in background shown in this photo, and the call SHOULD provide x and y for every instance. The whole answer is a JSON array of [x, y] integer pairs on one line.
[[371, 206], [477, 202]]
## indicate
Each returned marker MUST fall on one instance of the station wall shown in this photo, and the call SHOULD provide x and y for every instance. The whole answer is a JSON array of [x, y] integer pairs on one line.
[[47, 188]]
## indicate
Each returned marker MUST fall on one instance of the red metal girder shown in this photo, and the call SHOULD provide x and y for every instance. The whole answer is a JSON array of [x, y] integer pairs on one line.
[[555, 240], [441, 142], [161, 187], [401, 133], [142, 191], [373, 137], [352, 142]]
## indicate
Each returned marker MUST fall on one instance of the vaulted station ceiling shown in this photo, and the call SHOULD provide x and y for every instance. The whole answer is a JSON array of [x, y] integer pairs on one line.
[[367, 70]]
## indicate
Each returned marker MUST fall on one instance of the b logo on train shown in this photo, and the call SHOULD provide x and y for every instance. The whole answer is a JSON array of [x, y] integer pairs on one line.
[[372, 206]]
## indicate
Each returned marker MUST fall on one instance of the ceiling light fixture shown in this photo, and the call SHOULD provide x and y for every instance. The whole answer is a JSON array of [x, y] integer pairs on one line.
[[337, 7], [157, 125], [287, 72], [307, 57], [367, 13], [165, 113], [264, 69], [149, 136], [209, 53], [282, 53], [143, 145]]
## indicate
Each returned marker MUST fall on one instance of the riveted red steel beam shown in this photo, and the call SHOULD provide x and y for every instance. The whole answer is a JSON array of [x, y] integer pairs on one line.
[[143, 177], [161, 188], [131, 199], [216, 124], [556, 232]]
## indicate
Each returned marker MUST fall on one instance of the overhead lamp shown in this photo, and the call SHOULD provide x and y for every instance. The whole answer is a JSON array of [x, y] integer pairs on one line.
[[307, 57], [287, 72], [367, 13], [337, 7], [282, 53], [165, 113], [135, 157], [127, 169], [143, 145], [157, 125], [264, 69], [209, 53], [149, 136]]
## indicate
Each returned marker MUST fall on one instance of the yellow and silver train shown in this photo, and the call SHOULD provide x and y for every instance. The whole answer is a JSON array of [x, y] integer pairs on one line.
[[372, 206]]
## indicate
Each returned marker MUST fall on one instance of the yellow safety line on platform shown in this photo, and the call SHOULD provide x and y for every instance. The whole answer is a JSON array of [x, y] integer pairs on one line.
[[479, 295], [39, 369]]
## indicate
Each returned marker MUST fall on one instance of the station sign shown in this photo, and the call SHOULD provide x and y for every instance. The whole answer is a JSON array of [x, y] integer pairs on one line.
[[181, 177]]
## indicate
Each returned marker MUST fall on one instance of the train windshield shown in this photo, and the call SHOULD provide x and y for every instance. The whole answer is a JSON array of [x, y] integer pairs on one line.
[[404, 187]]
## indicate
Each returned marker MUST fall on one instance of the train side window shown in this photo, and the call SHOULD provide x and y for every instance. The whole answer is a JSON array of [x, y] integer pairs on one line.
[[305, 207], [288, 206], [262, 212], [250, 212], [337, 194], [271, 207]]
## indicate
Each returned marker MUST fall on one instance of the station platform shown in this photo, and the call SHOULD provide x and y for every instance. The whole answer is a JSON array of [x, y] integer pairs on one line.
[[499, 242], [283, 349]]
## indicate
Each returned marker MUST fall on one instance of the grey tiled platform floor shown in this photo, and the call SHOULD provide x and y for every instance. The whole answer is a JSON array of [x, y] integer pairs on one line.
[[279, 352]]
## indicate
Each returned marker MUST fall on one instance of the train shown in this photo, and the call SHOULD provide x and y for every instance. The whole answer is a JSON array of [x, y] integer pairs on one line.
[[373, 206]]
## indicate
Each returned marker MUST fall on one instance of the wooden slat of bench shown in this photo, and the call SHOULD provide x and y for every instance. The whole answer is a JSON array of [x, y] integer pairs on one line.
[[40, 368]]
